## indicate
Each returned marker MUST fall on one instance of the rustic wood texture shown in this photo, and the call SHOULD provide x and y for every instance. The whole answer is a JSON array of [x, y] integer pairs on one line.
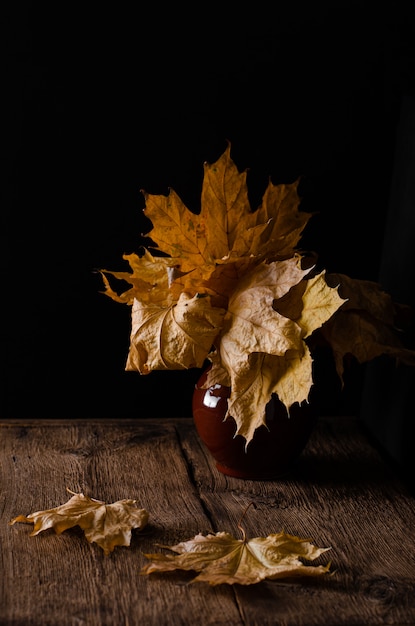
[[341, 494]]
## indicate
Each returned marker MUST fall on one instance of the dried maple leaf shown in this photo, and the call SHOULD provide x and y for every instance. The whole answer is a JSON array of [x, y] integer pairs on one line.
[[365, 327], [263, 351], [175, 337], [225, 232], [220, 558], [108, 525], [226, 227], [234, 289]]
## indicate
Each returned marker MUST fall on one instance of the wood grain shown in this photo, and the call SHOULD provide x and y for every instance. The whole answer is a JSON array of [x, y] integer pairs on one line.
[[341, 494]]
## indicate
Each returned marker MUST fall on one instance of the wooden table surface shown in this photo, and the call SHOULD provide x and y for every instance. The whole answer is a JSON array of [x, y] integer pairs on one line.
[[340, 494]]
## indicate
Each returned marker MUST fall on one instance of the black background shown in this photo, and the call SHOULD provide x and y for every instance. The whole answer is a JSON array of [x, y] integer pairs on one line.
[[103, 101]]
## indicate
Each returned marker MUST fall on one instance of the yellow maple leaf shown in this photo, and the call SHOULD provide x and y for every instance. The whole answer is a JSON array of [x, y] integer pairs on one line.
[[108, 525], [285, 223], [151, 280], [264, 351], [220, 558], [175, 337], [320, 303], [254, 324], [178, 231], [226, 228]]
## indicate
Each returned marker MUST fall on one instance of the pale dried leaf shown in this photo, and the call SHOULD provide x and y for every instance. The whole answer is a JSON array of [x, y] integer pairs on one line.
[[320, 302], [108, 525], [220, 558], [255, 326], [175, 337]]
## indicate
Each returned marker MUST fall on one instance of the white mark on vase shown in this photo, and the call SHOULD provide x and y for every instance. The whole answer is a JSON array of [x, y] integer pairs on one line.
[[209, 399]]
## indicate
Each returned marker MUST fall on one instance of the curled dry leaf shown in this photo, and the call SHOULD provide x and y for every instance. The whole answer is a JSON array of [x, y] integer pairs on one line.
[[108, 525], [175, 337], [220, 558], [279, 360], [366, 326]]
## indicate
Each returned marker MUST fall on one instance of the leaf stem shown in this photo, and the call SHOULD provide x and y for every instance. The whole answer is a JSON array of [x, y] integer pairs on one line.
[[239, 525]]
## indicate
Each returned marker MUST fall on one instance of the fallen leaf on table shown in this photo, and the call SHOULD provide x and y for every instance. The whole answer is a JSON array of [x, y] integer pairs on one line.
[[108, 525], [220, 558]]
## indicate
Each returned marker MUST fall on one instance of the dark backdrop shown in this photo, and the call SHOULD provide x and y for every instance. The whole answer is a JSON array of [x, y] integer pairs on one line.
[[106, 100]]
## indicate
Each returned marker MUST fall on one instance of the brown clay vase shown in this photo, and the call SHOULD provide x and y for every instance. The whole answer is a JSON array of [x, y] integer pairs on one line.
[[273, 449]]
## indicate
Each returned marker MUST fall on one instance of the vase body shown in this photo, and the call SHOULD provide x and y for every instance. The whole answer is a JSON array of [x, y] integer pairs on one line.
[[274, 448]]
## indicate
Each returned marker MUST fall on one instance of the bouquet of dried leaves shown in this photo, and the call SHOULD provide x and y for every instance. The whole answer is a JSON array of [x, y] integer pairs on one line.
[[230, 285]]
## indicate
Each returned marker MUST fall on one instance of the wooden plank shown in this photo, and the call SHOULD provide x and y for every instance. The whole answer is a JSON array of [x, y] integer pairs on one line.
[[49, 579], [340, 494]]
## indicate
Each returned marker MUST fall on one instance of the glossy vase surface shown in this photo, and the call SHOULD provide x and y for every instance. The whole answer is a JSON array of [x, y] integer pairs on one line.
[[273, 449]]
